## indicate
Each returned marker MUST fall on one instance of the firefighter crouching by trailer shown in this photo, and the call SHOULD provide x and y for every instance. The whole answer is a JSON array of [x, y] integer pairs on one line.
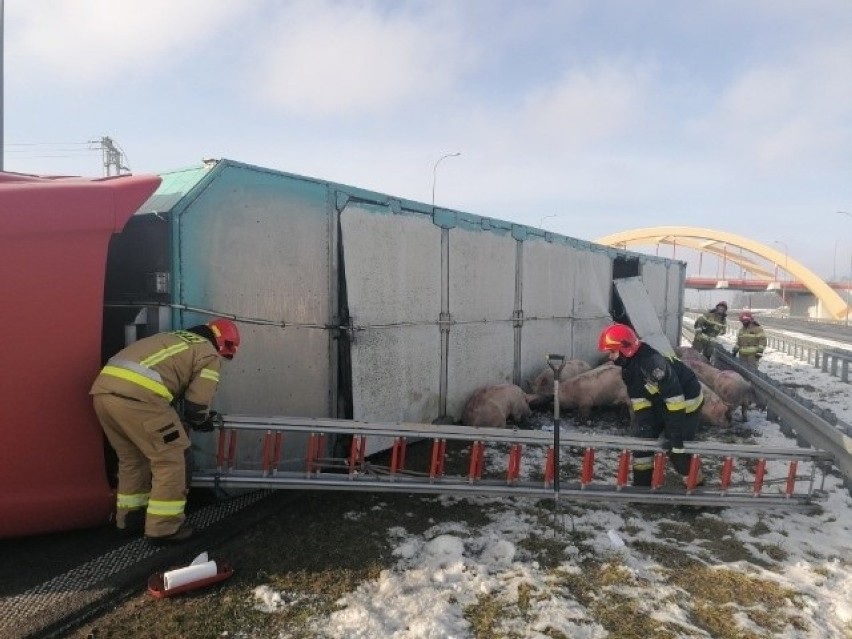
[[665, 395], [751, 341], [134, 398], [708, 327]]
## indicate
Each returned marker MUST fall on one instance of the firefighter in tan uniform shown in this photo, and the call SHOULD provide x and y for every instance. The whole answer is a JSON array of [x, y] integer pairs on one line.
[[708, 327], [751, 341], [134, 398]]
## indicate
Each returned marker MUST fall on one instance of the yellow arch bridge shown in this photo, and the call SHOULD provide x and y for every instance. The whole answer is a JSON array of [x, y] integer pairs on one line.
[[760, 261]]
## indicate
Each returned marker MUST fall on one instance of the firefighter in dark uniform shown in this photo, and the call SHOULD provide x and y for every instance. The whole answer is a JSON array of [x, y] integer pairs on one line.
[[665, 394], [134, 398]]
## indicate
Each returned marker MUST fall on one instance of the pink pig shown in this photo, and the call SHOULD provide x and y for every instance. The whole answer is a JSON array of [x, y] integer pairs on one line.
[[599, 387], [714, 411], [543, 383], [734, 390], [689, 354], [707, 373], [492, 406]]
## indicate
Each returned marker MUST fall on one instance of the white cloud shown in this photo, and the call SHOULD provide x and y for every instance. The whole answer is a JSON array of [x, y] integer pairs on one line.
[[586, 105], [93, 42], [330, 59], [780, 116]]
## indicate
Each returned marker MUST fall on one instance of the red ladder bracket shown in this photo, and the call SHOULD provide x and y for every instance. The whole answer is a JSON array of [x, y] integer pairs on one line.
[[759, 474], [439, 450], [694, 473], [397, 455], [727, 472], [548, 468], [588, 471], [266, 457], [356, 453], [623, 469], [791, 478], [276, 453], [658, 477], [316, 444], [514, 468], [232, 450], [477, 459]]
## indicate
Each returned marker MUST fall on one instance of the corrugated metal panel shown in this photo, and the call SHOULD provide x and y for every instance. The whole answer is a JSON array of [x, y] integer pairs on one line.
[[566, 302], [643, 315], [481, 301], [256, 244], [393, 268]]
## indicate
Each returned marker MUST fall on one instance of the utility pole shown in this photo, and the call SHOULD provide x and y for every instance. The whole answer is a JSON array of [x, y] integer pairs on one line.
[[112, 156]]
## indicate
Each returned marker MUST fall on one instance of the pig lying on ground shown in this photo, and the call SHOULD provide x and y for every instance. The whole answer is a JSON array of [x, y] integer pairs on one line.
[[543, 383], [493, 406], [597, 388]]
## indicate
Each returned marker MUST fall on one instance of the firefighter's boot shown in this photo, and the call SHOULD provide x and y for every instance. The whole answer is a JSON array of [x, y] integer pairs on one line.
[[182, 534], [134, 523]]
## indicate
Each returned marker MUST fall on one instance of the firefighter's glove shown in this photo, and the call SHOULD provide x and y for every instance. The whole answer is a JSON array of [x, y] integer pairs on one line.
[[735, 350], [213, 421]]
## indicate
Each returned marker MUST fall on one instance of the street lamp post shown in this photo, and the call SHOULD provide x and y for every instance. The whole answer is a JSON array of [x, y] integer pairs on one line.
[[435, 173], [786, 253]]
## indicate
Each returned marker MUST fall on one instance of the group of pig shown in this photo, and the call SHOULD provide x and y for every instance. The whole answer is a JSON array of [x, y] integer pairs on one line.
[[583, 388]]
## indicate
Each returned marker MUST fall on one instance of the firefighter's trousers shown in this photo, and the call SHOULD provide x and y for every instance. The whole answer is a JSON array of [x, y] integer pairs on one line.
[[749, 361], [150, 441], [650, 425]]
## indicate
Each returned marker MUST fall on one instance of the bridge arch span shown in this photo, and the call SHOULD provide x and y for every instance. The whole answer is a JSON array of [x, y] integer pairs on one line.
[[708, 240]]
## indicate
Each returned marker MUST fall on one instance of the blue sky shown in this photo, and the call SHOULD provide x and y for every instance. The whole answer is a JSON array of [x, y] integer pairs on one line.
[[606, 114]]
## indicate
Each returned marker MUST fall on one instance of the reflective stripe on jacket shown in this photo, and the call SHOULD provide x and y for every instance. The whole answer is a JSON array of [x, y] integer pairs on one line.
[[751, 340], [652, 379], [711, 323], [163, 367]]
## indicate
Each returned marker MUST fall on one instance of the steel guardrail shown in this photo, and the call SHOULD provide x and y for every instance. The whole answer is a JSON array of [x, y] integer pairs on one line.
[[818, 427]]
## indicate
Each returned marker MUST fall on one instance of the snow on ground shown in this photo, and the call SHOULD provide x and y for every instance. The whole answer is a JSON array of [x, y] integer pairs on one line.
[[722, 573]]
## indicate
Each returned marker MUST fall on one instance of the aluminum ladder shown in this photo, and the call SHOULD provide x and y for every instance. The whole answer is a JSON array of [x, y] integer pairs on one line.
[[743, 475]]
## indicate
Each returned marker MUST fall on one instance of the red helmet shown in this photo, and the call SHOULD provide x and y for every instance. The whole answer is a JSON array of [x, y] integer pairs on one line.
[[621, 338], [745, 316], [227, 337]]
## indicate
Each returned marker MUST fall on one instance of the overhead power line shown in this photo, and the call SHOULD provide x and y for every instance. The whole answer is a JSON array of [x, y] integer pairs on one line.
[[113, 157]]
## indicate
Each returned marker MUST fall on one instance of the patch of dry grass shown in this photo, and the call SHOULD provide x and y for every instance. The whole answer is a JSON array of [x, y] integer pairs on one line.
[[327, 544]]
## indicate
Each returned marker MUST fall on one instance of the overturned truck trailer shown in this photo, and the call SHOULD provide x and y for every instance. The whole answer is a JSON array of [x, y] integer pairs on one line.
[[359, 305]]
